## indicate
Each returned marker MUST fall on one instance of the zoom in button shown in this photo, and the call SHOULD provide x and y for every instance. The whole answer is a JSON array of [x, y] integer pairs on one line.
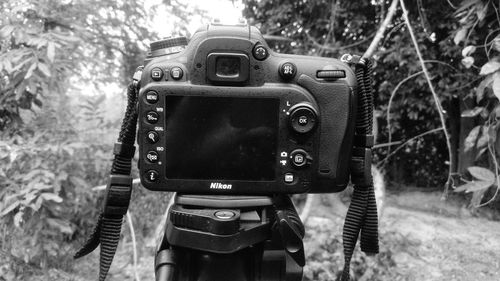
[[152, 137]]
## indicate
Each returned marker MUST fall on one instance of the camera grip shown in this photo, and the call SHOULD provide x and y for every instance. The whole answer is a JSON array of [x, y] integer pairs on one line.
[[336, 102]]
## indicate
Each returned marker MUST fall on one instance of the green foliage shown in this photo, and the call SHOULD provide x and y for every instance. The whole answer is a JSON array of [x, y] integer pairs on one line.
[[478, 34], [55, 142], [44, 43], [45, 198]]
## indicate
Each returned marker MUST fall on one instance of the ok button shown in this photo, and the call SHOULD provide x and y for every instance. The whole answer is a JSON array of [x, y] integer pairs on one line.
[[303, 120]]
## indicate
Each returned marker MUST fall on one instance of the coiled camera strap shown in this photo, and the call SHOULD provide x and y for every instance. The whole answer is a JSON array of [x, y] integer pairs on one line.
[[362, 215], [119, 188]]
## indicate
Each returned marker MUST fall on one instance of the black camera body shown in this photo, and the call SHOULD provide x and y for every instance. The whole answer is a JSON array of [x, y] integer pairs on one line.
[[226, 115]]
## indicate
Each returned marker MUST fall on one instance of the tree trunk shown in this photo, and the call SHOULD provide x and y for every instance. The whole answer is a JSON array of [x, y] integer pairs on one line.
[[454, 125], [465, 159]]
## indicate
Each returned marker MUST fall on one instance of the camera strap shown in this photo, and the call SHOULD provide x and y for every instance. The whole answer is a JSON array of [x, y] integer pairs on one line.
[[119, 188], [361, 219]]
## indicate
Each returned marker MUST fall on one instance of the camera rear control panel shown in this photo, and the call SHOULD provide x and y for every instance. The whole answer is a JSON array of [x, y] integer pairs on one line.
[[168, 112]]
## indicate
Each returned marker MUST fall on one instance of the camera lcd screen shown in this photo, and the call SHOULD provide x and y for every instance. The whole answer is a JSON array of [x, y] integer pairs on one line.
[[223, 138], [227, 67]]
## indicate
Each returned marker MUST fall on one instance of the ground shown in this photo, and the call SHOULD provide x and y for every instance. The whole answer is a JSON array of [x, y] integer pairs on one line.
[[422, 238], [447, 241]]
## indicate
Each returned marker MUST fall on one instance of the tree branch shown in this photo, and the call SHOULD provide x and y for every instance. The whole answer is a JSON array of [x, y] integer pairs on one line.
[[434, 95], [393, 93], [381, 163], [381, 30]]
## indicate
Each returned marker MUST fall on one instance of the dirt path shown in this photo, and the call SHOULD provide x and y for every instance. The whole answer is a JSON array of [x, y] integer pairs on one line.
[[421, 239], [443, 247]]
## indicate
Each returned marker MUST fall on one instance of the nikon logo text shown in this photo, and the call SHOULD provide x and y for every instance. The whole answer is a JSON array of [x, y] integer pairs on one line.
[[218, 185]]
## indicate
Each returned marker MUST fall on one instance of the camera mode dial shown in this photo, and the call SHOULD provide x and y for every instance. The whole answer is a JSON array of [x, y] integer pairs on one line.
[[168, 46], [302, 118]]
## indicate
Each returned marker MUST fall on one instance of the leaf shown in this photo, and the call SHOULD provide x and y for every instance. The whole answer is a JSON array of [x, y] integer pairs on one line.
[[473, 186], [496, 85], [482, 86], [480, 153], [30, 71], [470, 140], [51, 197], [489, 67], [6, 31], [460, 36], [481, 12], [469, 50], [9, 209], [44, 69], [62, 225], [472, 112], [468, 62], [482, 174], [483, 140], [51, 51], [496, 43], [18, 218]]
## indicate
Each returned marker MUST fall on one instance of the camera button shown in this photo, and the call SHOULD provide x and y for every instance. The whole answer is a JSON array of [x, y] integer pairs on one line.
[[152, 137], [176, 73], [152, 175], [260, 52], [330, 74], [302, 119], [299, 158], [289, 178], [152, 97], [152, 117], [152, 156], [156, 74], [288, 70]]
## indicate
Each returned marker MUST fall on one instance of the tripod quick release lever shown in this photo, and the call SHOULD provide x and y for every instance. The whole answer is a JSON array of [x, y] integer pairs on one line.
[[290, 228]]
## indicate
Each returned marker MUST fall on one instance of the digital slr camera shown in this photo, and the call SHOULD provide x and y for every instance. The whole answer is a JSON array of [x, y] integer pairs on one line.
[[224, 115]]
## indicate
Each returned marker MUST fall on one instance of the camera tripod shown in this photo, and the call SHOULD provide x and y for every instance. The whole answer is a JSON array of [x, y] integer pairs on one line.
[[237, 238]]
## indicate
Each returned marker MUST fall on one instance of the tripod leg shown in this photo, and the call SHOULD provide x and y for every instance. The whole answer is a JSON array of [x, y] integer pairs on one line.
[[165, 266]]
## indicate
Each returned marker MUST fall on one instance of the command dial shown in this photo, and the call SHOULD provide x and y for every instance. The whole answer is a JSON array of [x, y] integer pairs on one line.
[[168, 46], [302, 118]]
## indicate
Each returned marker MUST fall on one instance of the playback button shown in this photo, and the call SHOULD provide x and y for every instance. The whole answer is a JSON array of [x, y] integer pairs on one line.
[[156, 73]]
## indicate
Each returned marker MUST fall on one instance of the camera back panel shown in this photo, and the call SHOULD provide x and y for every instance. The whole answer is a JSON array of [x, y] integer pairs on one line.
[[226, 115]]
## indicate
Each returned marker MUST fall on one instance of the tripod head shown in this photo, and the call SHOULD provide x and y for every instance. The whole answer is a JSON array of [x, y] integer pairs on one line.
[[251, 237]]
